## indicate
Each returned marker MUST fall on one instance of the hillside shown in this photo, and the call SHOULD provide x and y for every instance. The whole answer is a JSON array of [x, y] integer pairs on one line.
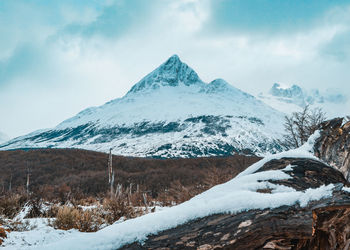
[[171, 112], [85, 172]]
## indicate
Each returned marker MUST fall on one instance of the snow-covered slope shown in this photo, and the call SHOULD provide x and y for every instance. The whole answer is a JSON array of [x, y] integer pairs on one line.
[[170, 113], [290, 99]]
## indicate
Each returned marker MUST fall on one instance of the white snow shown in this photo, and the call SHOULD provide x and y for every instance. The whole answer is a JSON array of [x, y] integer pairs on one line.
[[41, 234], [305, 151], [166, 96], [236, 195], [289, 99]]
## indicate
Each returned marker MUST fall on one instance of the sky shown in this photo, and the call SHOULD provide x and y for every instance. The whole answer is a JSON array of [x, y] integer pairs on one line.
[[60, 57]]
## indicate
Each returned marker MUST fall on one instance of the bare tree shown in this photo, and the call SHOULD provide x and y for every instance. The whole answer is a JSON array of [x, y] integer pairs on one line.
[[300, 125], [110, 173], [144, 196], [28, 179], [10, 183]]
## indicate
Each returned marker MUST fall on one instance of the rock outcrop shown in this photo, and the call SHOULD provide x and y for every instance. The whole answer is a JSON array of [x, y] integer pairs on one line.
[[322, 224], [333, 146]]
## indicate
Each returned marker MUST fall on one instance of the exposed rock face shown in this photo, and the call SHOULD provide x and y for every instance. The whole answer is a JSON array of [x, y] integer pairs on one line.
[[171, 73], [322, 224], [302, 97], [333, 146]]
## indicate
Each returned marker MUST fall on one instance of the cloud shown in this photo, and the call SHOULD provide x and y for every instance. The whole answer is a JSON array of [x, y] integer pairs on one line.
[[269, 17], [338, 48], [114, 20]]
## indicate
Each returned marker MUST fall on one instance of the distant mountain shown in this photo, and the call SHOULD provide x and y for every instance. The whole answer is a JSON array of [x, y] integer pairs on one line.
[[171, 112], [294, 98]]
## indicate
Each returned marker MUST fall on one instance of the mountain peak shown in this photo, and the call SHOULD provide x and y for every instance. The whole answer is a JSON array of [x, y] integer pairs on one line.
[[290, 92], [174, 58], [218, 85], [173, 72]]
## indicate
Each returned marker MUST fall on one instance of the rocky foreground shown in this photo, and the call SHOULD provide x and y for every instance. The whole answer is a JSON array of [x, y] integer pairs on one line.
[[322, 224]]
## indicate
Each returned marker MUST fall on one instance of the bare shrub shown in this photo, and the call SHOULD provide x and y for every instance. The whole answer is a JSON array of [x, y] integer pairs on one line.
[[179, 193], [165, 199], [89, 221], [52, 211], [3, 234], [63, 193], [117, 208], [35, 204], [300, 125], [84, 221], [67, 218], [10, 205], [87, 201], [20, 226]]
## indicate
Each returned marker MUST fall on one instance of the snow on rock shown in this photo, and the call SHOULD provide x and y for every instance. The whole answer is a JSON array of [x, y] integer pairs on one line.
[[237, 195], [305, 151]]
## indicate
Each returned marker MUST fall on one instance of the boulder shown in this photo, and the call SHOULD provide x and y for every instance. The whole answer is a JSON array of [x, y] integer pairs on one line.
[[321, 224], [333, 146]]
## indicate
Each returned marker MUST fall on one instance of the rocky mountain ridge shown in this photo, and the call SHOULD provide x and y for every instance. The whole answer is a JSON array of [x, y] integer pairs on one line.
[[294, 98], [171, 112]]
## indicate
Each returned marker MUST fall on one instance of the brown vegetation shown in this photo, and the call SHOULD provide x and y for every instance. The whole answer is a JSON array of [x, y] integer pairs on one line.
[[64, 180], [66, 174], [11, 204], [3, 234], [70, 217]]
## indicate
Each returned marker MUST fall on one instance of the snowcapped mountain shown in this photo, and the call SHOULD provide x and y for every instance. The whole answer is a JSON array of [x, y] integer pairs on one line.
[[294, 98], [171, 112]]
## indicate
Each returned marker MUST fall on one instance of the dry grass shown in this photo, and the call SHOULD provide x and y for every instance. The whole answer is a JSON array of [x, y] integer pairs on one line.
[[93, 219], [11, 204], [19, 226], [117, 208], [84, 221]]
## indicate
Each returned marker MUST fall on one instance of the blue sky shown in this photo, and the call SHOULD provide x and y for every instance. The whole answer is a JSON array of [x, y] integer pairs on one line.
[[59, 57]]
